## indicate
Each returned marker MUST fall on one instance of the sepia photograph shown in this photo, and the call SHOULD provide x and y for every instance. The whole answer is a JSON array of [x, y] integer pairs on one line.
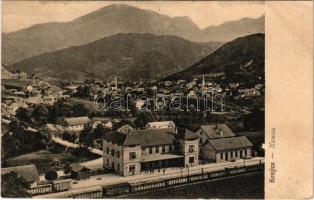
[[133, 99]]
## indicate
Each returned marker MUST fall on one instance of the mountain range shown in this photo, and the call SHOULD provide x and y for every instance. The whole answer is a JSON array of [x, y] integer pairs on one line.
[[242, 59], [112, 20], [128, 55]]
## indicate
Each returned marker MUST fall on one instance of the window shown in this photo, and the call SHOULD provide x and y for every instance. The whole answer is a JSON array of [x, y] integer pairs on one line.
[[118, 167], [112, 165], [236, 154], [201, 133], [131, 168], [231, 154], [132, 155], [170, 148], [112, 152], [118, 154], [191, 148], [191, 159], [107, 163], [150, 150], [221, 156], [241, 154], [157, 149], [107, 150], [163, 149], [244, 152]]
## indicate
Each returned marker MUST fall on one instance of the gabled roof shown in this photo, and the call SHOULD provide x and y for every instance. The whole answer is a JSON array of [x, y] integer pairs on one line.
[[230, 143], [150, 137], [168, 124], [73, 121], [28, 172], [115, 137], [217, 131], [77, 168], [186, 134], [146, 137]]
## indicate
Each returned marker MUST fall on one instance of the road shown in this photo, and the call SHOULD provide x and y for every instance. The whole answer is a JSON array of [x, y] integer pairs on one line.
[[73, 145], [96, 182]]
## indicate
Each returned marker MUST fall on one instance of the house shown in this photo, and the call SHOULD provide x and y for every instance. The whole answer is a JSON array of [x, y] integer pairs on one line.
[[5, 74], [23, 75], [23, 85], [218, 143], [73, 123], [227, 149], [28, 172], [79, 172], [149, 149], [125, 129], [49, 100], [159, 125], [105, 122], [207, 132]]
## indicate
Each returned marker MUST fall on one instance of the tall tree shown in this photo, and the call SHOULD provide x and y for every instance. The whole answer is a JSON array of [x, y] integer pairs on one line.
[[40, 114], [13, 186]]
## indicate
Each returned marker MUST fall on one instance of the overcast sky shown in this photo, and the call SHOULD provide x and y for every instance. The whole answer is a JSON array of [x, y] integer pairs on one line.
[[22, 14]]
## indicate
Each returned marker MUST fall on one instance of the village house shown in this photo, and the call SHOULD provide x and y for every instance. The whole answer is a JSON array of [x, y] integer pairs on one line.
[[125, 129], [21, 85], [5, 74], [105, 122], [227, 149], [149, 149], [218, 143], [73, 123], [49, 100], [159, 125], [79, 172]]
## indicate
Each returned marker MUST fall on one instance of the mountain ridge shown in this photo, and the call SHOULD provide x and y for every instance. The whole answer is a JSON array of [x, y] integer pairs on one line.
[[125, 54], [242, 58], [104, 22]]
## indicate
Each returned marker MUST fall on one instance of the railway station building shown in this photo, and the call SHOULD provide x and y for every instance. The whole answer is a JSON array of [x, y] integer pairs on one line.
[[149, 149]]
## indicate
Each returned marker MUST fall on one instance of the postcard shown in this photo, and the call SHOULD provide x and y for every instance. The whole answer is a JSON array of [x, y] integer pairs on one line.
[[157, 99]]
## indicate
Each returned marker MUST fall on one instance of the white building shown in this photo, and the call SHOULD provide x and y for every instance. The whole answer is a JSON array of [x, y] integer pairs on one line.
[[73, 123], [160, 125]]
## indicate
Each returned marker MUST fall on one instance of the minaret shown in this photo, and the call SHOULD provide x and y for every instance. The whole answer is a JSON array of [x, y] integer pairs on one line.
[[116, 82]]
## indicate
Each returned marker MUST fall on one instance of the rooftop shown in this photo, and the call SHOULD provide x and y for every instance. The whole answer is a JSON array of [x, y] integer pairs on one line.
[[230, 143], [186, 134], [73, 121], [146, 137], [217, 131]]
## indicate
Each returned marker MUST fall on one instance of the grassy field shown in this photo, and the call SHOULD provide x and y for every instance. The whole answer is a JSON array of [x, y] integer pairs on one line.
[[43, 159], [240, 187]]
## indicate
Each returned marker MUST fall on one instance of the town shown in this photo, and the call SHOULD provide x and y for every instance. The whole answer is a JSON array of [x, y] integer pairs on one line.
[[58, 142]]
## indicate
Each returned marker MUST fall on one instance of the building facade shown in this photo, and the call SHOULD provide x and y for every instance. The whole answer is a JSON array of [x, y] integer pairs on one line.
[[218, 143], [149, 149]]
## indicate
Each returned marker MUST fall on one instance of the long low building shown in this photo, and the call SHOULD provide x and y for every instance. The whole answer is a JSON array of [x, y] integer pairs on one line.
[[227, 149]]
